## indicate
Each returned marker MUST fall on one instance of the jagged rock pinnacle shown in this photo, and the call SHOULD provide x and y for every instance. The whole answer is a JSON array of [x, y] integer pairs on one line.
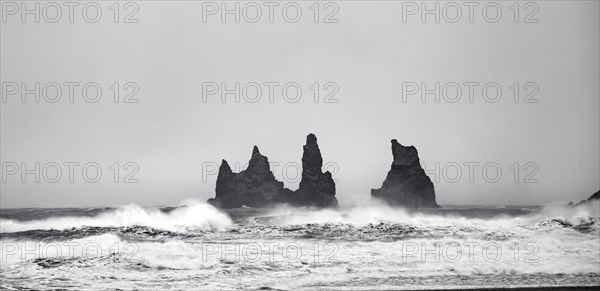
[[257, 187], [316, 188], [255, 151]]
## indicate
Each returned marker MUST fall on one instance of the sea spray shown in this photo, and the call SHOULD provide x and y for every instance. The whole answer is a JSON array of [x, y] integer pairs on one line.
[[199, 247], [197, 215]]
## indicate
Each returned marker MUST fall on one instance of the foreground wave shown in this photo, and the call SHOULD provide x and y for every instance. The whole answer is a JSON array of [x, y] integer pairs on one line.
[[197, 246], [202, 216]]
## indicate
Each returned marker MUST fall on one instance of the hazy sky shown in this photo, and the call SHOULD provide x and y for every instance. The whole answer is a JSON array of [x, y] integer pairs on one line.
[[369, 56]]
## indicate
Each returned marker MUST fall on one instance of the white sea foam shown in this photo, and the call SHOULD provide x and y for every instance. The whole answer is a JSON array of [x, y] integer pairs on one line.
[[375, 214], [544, 247], [194, 214]]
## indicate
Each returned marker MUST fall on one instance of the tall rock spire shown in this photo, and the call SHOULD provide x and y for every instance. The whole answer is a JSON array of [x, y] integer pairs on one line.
[[316, 188]]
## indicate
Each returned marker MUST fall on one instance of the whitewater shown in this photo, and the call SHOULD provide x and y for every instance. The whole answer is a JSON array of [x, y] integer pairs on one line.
[[196, 246]]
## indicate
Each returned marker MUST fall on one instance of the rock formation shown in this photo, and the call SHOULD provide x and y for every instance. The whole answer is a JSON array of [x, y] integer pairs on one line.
[[316, 188], [254, 187], [257, 187], [406, 183], [595, 196]]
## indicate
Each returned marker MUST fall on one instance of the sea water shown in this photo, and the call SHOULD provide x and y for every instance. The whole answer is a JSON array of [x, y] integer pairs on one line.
[[196, 246]]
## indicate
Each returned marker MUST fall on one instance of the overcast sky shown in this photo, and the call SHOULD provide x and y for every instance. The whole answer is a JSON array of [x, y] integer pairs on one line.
[[546, 151]]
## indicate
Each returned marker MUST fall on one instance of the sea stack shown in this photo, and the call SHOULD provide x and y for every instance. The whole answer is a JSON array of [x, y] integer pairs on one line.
[[257, 187], [406, 183], [316, 188], [254, 187]]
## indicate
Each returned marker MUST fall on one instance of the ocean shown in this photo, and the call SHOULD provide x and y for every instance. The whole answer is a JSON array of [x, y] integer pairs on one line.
[[196, 246]]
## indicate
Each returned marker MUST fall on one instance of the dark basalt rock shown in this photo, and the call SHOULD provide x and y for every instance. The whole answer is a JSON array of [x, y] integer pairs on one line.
[[406, 183], [257, 187], [595, 196], [316, 188], [254, 187]]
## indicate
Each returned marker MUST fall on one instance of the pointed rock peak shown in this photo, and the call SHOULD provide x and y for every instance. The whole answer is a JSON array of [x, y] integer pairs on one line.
[[255, 151], [311, 139], [224, 167], [258, 162]]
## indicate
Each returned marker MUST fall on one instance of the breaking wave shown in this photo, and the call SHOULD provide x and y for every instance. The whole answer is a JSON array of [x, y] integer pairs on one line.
[[464, 217], [194, 215], [199, 247]]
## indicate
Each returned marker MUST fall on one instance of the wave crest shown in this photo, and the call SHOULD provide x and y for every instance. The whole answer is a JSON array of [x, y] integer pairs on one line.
[[195, 215], [476, 217]]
